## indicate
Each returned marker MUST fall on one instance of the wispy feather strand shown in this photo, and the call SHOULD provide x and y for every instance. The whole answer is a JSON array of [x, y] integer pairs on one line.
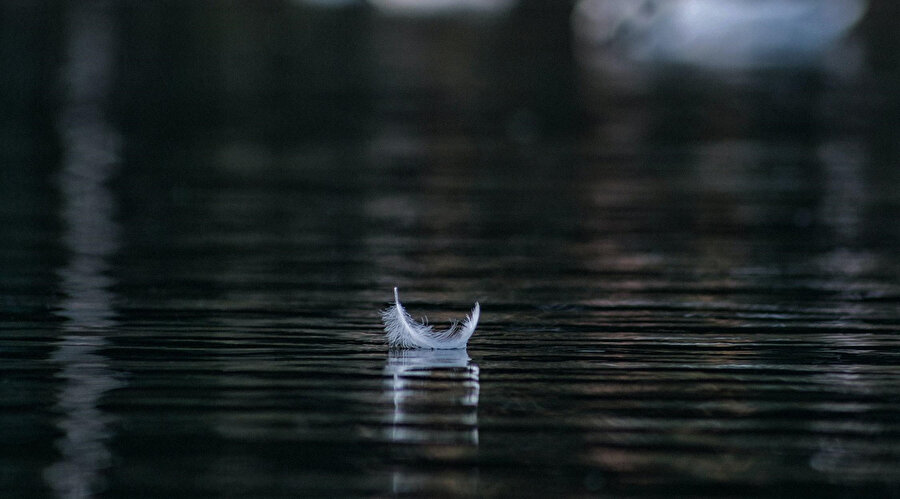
[[403, 331]]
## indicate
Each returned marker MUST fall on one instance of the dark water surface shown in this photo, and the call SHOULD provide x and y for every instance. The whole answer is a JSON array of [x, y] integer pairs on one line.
[[676, 299], [648, 327]]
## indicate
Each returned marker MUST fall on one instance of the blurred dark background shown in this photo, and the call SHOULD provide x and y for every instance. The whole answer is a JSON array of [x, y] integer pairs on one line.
[[257, 80], [680, 218], [315, 93], [294, 71]]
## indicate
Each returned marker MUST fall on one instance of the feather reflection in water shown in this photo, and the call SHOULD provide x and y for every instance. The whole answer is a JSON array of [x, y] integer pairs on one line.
[[435, 395]]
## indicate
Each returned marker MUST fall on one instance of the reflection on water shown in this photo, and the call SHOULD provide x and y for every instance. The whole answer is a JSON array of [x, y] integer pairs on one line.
[[91, 237], [435, 396], [83, 449]]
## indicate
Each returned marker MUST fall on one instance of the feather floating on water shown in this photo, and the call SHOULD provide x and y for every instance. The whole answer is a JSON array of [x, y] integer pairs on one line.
[[403, 331]]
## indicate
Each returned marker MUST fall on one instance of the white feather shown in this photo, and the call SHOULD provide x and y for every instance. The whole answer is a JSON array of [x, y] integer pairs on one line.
[[403, 331]]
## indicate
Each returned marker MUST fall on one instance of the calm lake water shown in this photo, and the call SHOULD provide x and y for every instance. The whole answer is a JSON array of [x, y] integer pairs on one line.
[[692, 292]]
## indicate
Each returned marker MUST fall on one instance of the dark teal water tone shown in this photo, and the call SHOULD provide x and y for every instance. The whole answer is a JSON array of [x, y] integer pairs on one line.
[[693, 290]]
